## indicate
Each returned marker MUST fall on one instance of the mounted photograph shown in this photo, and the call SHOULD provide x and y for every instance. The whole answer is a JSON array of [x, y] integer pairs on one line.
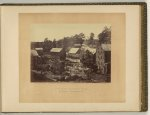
[[79, 53], [73, 57]]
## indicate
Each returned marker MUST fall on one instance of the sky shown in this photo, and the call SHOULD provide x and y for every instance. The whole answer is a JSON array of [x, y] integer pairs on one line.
[[58, 31]]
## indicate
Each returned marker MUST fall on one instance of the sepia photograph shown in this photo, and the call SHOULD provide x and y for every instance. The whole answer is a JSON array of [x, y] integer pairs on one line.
[[71, 53], [73, 57]]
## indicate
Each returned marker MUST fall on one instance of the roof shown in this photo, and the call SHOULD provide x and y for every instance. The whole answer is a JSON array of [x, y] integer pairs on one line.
[[92, 50], [77, 45], [73, 60], [86, 47], [56, 50], [34, 53], [73, 50], [106, 47], [38, 48]]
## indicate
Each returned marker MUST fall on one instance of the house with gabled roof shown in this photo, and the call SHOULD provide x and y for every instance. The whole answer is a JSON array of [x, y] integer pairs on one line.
[[58, 53], [39, 50], [35, 59], [34, 53], [74, 55]]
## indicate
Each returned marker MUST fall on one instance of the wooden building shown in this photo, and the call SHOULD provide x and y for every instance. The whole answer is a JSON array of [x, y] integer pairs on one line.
[[39, 51], [58, 53], [35, 59], [103, 58], [74, 55]]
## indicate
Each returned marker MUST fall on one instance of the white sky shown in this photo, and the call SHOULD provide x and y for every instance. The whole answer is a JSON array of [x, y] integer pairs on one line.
[[58, 31]]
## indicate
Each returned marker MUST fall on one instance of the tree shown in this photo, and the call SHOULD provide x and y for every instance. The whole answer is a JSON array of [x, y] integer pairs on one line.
[[91, 36], [91, 39], [81, 38], [105, 36], [78, 38], [47, 45], [65, 43], [60, 43], [54, 43], [87, 59]]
